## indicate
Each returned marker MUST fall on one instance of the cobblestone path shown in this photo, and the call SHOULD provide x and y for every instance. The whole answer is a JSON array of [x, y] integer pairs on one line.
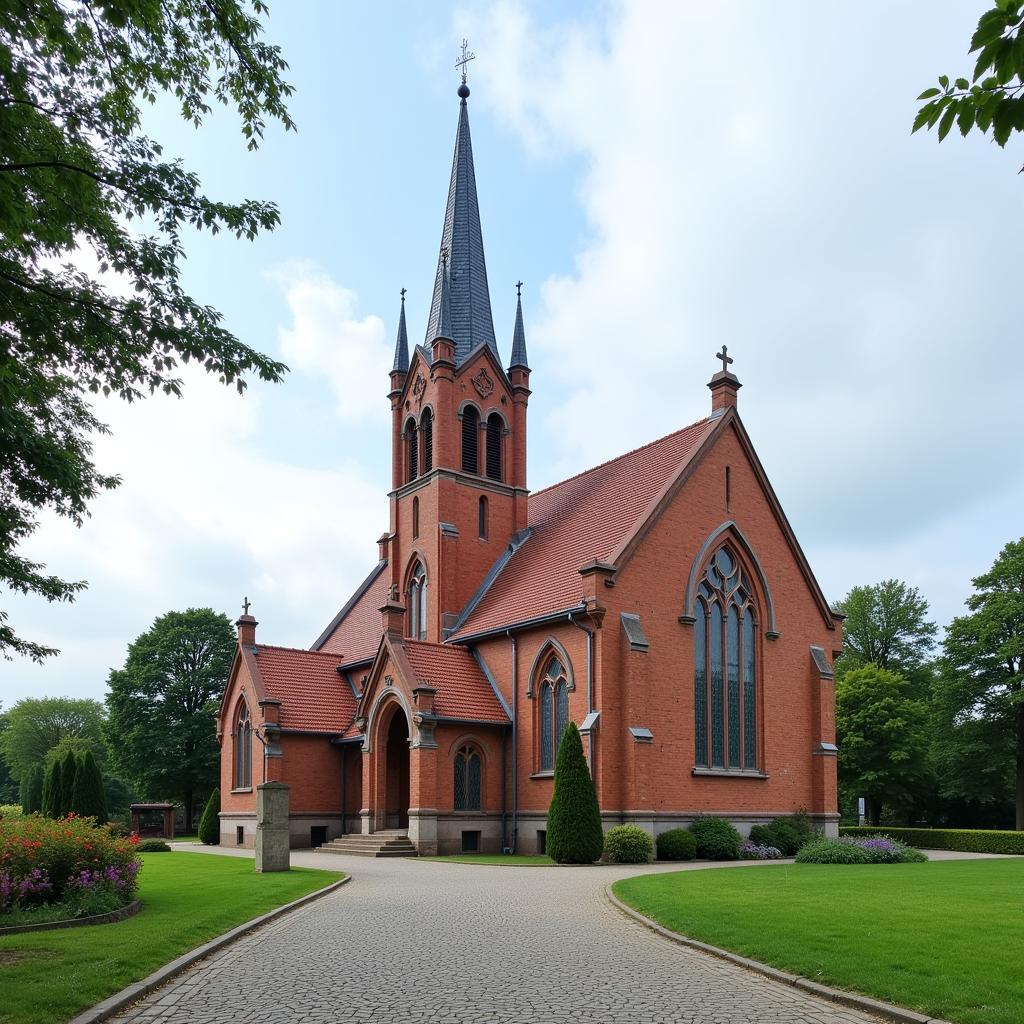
[[434, 942]]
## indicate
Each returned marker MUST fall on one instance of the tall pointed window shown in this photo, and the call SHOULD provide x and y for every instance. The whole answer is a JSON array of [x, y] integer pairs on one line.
[[427, 427], [412, 454], [482, 518], [470, 440], [415, 517], [468, 795], [416, 613], [495, 428], [725, 666], [243, 748], [554, 711]]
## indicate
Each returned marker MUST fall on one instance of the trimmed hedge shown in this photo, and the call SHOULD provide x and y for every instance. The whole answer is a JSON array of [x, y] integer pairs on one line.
[[716, 839], [676, 844], [152, 846], [966, 840], [628, 844]]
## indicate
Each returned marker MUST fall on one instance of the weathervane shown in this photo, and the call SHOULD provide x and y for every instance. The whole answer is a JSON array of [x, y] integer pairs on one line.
[[725, 357], [467, 56]]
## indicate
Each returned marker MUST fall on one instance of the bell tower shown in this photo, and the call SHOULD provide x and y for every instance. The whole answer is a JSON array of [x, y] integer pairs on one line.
[[458, 423]]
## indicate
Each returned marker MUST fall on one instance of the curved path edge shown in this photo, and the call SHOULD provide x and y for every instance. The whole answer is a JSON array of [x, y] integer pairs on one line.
[[887, 1011], [135, 991]]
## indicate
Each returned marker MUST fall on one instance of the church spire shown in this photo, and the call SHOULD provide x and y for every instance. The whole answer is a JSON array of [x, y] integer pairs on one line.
[[519, 334], [444, 316], [401, 364], [470, 321]]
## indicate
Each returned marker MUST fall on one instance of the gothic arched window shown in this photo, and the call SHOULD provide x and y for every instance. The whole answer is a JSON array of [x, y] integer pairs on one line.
[[417, 603], [725, 666], [243, 748], [467, 780], [412, 455], [427, 426], [470, 440], [482, 519], [495, 428], [554, 711]]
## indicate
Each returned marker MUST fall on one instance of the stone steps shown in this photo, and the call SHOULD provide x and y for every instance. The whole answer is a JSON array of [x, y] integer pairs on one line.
[[390, 843]]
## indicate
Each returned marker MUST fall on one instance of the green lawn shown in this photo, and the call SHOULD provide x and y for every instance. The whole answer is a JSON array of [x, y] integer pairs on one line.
[[189, 898], [943, 938], [515, 860]]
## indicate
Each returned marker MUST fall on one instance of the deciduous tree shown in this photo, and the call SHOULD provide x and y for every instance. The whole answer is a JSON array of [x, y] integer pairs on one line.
[[162, 705], [36, 725], [77, 174]]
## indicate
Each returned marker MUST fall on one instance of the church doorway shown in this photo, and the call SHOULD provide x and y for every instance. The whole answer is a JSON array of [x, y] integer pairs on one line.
[[396, 782]]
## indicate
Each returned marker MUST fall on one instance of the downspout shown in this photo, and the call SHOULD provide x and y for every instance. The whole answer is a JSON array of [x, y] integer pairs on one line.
[[515, 744], [590, 685], [504, 789], [344, 773]]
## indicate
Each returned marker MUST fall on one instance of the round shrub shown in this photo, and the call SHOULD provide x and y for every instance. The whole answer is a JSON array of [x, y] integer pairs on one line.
[[786, 836], [628, 844], [716, 839], [762, 835], [152, 846], [676, 844]]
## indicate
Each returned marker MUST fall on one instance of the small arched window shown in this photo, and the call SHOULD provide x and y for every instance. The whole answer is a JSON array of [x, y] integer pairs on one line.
[[415, 517], [482, 519], [412, 455], [467, 780], [427, 426], [417, 604], [725, 666], [554, 711], [495, 428], [243, 748], [470, 440]]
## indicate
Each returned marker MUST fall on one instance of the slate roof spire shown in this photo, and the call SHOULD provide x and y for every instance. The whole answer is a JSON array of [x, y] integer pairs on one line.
[[470, 322], [519, 334], [444, 316], [401, 364]]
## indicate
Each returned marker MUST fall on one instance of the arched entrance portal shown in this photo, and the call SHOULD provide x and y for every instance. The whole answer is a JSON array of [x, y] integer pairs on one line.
[[396, 779]]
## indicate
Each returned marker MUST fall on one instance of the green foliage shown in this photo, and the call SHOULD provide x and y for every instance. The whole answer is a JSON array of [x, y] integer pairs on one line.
[[209, 823], [993, 101], [11, 811], [75, 171], [676, 844], [883, 849], [51, 785], [628, 844], [882, 729], [152, 846], [163, 704], [964, 839], [87, 797], [886, 625], [31, 790], [980, 692], [787, 834], [10, 789], [68, 770], [574, 834], [36, 725], [716, 839]]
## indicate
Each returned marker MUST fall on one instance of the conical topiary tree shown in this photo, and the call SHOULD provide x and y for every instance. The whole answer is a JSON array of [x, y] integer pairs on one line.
[[31, 790], [87, 796], [68, 771], [574, 835], [209, 823], [51, 787]]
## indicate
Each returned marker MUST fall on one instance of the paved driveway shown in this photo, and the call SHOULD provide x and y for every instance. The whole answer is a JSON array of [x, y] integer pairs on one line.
[[413, 940]]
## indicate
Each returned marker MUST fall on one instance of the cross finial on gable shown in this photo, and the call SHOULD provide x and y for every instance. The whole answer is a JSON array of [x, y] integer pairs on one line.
[[467, 56], [725, 357], [246, 606]]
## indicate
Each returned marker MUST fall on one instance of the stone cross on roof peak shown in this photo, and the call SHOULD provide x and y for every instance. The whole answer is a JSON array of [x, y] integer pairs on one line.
[[725, 357]]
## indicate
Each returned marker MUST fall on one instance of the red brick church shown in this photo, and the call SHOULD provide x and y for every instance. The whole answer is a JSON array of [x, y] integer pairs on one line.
[[660, 601]]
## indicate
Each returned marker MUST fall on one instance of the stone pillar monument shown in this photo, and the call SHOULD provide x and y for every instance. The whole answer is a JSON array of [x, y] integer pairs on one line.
[[272, 846]]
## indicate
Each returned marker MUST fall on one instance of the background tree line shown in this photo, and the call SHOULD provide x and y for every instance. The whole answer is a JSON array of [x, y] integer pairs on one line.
[[933, 731]]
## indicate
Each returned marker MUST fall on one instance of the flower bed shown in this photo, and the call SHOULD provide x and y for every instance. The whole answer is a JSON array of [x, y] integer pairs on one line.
[[756, 851], [858, 850], [56, 869], [969, 840]]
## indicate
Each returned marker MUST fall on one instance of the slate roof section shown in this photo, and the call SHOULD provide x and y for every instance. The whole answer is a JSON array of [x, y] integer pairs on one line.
[[471, 321], [581, 519], [354, 633], [313, 695], [463, 691], [519, 339], [401, 363]]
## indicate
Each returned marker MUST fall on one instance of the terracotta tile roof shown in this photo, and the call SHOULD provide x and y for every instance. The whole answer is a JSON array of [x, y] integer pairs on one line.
[[463, 691], [576, 521], [313, 696], [355, 633]]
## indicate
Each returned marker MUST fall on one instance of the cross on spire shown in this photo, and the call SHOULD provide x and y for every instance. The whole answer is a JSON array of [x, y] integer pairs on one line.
[[519, 288], [725, 357], [467, 56], [403, 294], [246, 606]]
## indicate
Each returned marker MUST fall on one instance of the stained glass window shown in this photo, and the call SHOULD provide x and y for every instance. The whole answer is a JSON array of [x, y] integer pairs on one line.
[[725, 666], [243, 749], [561, 711], [467, 780], [554, 711], [547, 727], [417, 603]]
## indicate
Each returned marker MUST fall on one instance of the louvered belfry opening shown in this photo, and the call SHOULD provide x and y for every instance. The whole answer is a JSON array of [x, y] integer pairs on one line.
[[470, 440], [482, 519], [412, 440], [427, 426], [494, 432]]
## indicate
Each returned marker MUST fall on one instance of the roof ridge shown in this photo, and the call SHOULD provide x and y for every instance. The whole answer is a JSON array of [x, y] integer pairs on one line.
[[295, 650], [616, 458]]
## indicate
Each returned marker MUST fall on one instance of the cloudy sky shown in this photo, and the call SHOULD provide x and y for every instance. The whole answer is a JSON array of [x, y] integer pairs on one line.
[[665, 177]]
